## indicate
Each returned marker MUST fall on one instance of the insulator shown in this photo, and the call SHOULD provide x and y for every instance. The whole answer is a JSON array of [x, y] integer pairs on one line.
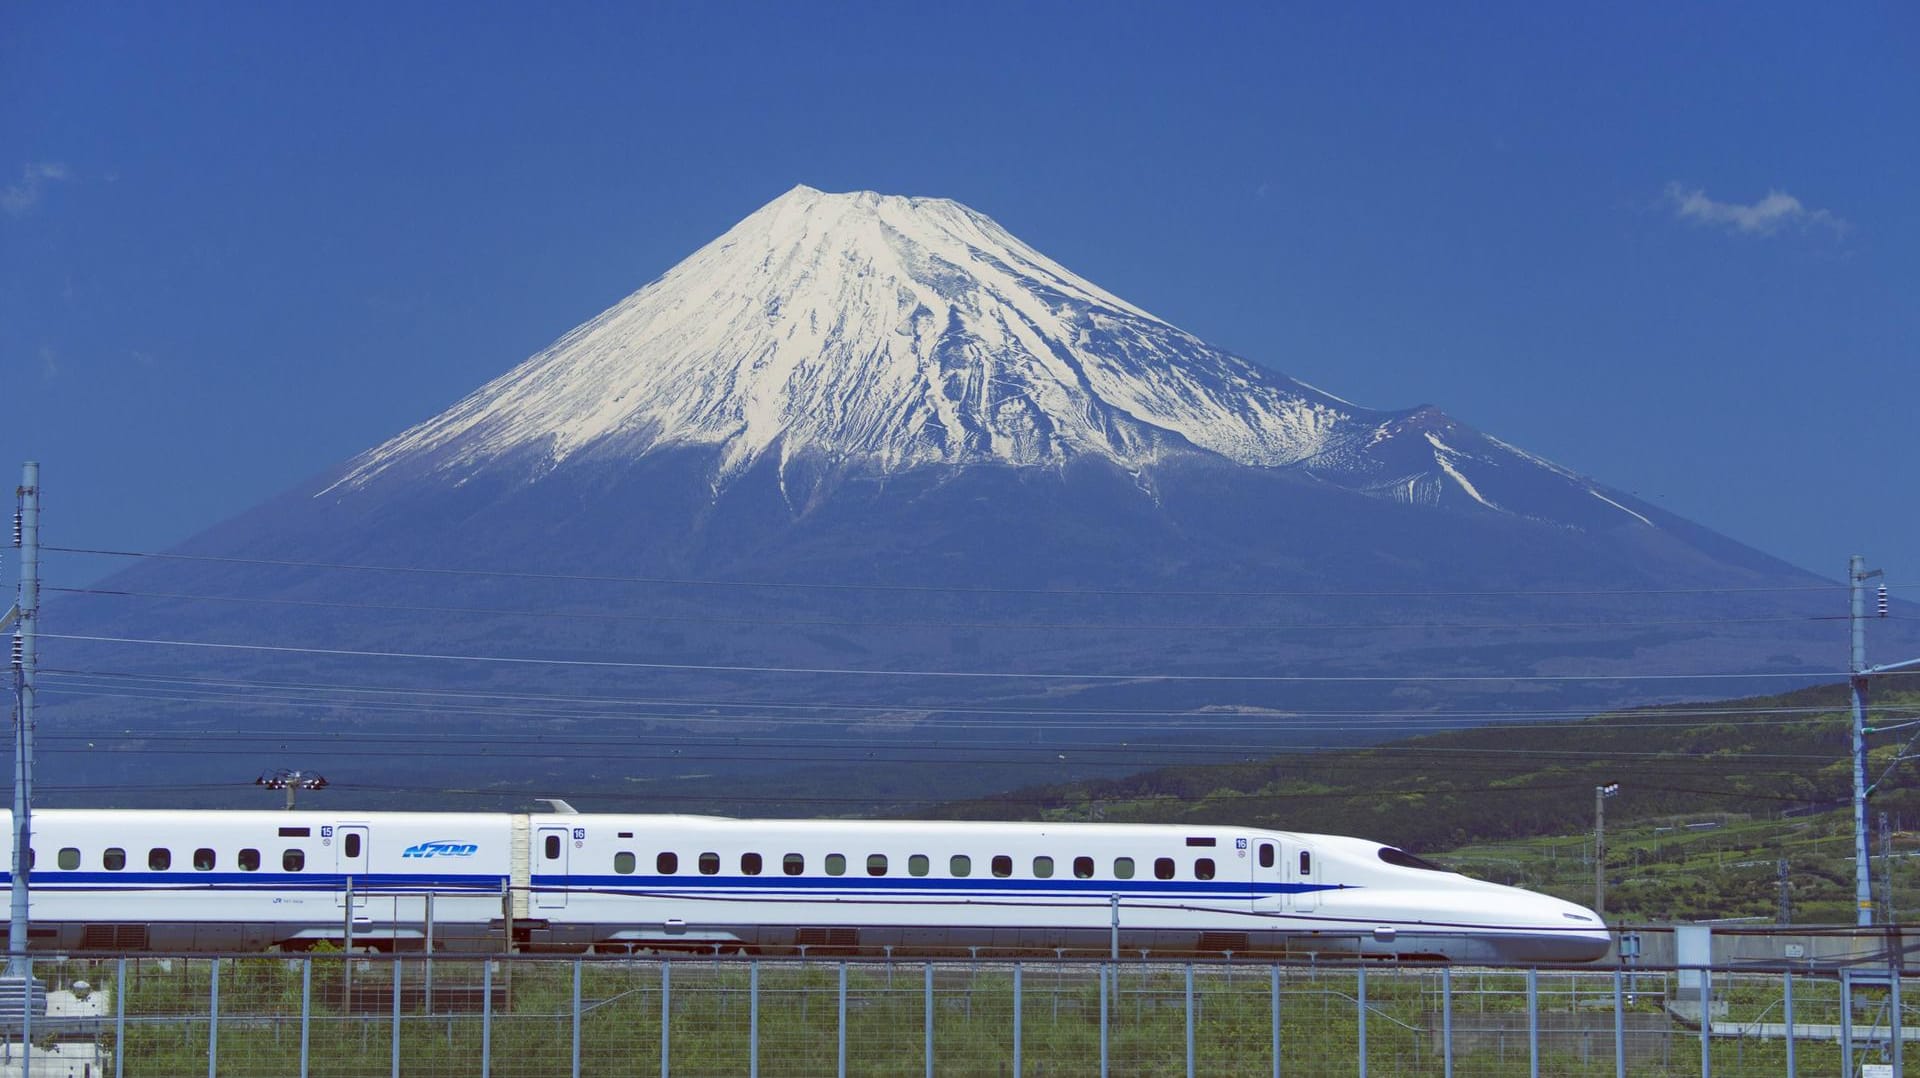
[[1881, 601], [16, 527], [19, 651]]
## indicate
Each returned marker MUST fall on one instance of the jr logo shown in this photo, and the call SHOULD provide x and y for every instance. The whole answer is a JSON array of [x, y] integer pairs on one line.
[[441, 847]]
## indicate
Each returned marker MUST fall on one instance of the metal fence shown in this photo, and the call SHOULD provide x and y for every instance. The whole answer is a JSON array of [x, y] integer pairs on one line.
[[532, 1015]]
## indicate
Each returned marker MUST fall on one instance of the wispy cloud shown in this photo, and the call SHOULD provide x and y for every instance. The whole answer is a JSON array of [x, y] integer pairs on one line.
[[49, 363], [20, 197], [1776, 211]]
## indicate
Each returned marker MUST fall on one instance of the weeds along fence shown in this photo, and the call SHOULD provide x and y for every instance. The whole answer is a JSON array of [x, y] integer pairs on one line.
[[532, 1015]]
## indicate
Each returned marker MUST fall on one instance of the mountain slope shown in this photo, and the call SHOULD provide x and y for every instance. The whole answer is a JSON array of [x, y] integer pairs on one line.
[[880, 334]]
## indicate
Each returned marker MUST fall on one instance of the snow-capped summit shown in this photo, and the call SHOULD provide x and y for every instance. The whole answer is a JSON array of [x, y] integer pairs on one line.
[[879, 333]]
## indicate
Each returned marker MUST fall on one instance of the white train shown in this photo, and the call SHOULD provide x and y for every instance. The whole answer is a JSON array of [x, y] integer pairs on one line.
[[233, 881]]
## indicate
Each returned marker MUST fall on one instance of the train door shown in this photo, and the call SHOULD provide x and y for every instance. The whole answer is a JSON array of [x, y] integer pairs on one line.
[[1267, 874], [350, 854], [550, 868], [1304, 868]]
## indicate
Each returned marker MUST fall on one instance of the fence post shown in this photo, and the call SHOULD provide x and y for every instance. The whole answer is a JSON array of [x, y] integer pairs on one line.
[[396, 1014], [1787, 1006], [753, 1019], [213, 1023], [1893, 1015], [1446, 1021], [120, 1017], [1189, 1020], [1017, 1023], [1360, 1006], [928, 977], [1620, 1027], [1533, 1022], [1706, 1022], [306, 1010], [1273, 1001], [427, 987], [576, 1019], [842, 1056], [666, 1018], [1846, 1021], [486, 1017], [1104, 1019]]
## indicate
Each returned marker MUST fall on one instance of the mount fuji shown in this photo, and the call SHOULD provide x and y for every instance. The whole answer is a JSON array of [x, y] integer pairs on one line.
[[869, 470]]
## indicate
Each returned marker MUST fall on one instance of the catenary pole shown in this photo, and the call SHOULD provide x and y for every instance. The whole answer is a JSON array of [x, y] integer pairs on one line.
[[19, 966], [1857, 577]]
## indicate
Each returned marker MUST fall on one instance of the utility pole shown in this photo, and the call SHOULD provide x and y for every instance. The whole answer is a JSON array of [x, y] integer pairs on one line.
[[23, 618], [1886, 872], [1600, 795], [1858, 673], [1857, 577], [1786, 896], [292, 782]]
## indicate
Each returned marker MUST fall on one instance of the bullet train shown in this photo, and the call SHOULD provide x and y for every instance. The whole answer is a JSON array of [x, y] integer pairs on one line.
[[185, 881]]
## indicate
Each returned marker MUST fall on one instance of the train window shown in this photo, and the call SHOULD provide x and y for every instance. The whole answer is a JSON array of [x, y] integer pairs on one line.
[[293, 860], [1163, 868], [918, 865], [159, 859], [750, 864], [793, 864], [667, 864], [30, 858], [709, 864], [836, 864], [203, 860], [876, 864], [624, 863], [1306, 863], [1042, 868], [959, 866], [551, 847], [1266, 855], [1002, 865], [113, 859], [1123, 868], [1203, 868], [249, 860], [69, 857], [352, 844], [1406, 860], [1083, 868]]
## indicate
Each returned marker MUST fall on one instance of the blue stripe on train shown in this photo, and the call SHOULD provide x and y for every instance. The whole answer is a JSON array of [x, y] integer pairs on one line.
[[944, 886], [55, 880]]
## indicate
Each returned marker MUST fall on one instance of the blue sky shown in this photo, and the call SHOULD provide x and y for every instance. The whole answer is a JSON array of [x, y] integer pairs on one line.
[[1671, 246]]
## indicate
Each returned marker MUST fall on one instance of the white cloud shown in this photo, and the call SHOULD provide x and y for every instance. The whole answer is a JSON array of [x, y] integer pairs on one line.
[[1762, 218], [18, 198]]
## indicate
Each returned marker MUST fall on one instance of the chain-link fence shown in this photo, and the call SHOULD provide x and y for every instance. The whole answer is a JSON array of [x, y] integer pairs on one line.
[[533, 1015]]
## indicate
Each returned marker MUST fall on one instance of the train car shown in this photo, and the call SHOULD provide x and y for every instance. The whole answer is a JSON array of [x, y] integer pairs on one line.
[[240, 881], [697, 882], [185, 881]]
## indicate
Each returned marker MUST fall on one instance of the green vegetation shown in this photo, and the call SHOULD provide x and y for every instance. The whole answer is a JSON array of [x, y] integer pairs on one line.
[[1709, 803]]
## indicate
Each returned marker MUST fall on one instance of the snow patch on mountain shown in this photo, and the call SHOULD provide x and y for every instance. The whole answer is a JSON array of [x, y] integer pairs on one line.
[[882, 332]]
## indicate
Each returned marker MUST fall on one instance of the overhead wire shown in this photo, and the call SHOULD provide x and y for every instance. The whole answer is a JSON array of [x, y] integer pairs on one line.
[[968, 589], [747, 668], [868, 623]]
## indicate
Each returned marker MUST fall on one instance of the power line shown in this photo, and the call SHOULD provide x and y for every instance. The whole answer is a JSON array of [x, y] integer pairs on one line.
[[942, 588], [833, 623], [724, 668], [921, 708]]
